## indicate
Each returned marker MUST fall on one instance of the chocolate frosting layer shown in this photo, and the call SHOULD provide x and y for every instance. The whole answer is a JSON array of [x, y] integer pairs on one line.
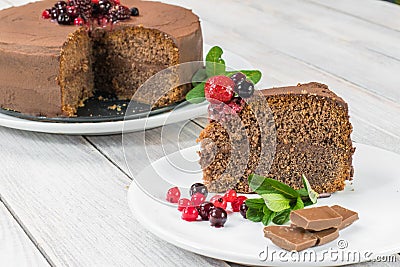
[[30, 49]]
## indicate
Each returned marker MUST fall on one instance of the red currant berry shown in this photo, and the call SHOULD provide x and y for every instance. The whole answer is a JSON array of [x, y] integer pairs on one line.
[[205, 209], [197, 199], [95, 1], [173, 195], [218, 217], [79, 21], [219, 89], [183, 203], [190, 214], [230, 195], [237, 202], [46, 14], [220, 203], [117, 2]]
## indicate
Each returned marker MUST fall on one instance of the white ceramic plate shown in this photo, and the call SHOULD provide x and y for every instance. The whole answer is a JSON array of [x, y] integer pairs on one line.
[[374, 194], [183, 112]]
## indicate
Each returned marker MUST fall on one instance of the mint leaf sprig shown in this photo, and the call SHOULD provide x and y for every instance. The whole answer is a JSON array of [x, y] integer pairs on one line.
[[215, 65], [277, 199]]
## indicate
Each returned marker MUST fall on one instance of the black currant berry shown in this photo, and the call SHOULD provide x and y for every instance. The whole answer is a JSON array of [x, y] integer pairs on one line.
[[60, 4], [245, 88], [54, 13], [64, 19], [243, 209], [205, 209], [198, 188], [134, 12], [218, 217], [238, 77]]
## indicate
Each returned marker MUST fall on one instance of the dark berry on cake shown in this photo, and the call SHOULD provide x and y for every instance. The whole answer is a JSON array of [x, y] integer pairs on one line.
[[60, 4], [134, 12], [64, 19], [244, 88], [54, 13], [238, 77]]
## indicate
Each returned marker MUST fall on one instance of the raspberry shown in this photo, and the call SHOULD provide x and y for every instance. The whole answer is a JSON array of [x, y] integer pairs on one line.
[[219, 89]]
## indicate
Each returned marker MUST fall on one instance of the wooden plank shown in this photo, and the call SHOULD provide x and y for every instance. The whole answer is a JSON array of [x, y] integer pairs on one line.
[[378, 12], [363, 67], [341, 26], [72, 201], [4, 4], [141, 148], [16, 249]]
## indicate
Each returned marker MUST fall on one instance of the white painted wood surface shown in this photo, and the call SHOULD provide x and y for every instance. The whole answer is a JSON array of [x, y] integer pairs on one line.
[[69, 193], [16, 249]]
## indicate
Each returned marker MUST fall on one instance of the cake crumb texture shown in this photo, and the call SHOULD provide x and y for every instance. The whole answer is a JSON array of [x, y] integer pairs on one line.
[[311, 136]]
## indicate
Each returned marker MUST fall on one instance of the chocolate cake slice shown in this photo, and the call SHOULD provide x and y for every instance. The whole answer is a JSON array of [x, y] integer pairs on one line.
[[283, 133]]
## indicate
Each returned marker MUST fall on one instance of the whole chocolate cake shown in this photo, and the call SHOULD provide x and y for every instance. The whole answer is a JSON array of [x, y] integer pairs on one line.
[[50, 69], [285, 132]]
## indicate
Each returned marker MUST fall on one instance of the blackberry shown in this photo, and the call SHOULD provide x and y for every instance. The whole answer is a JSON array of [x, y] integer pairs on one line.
[[104, 6], [244, 89], [54, 13], [60, 4], [134, 12], [238, 77], [64, 19]]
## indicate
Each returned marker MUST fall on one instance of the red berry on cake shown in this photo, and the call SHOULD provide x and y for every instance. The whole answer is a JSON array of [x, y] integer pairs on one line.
[[230, 195], [237, 202], [190, 214], [173, 195], [197, 199], [79, 21], [46, 14], [219, 89], [183, 203]]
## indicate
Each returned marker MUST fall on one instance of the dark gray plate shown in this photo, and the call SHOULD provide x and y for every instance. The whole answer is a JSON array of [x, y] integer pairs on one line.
[[97, 109]]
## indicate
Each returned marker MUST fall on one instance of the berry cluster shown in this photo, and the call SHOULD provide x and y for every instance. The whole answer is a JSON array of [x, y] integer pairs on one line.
[[226, 94], [85, 12], [213, 210]]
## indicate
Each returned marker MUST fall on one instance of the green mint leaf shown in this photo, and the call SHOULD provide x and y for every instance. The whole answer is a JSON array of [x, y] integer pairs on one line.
[[303, 192], [199, 77], [196, 95], [262, 185], [257, 203], [254, 215], [215, 65], [311, 193], [268, 216], [276, 202], [281, 217], [299, 204], [253, 75], [307, 202]]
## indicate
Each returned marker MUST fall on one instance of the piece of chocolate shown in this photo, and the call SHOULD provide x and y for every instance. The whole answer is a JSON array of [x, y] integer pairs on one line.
[[326, 236], [290, 238], [348, 216], [316, 219]]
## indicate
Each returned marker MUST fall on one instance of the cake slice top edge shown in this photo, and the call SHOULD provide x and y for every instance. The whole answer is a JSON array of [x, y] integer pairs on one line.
[[311, 88]]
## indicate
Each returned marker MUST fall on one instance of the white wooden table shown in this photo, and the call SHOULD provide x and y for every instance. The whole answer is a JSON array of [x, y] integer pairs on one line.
[[63, 198]]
